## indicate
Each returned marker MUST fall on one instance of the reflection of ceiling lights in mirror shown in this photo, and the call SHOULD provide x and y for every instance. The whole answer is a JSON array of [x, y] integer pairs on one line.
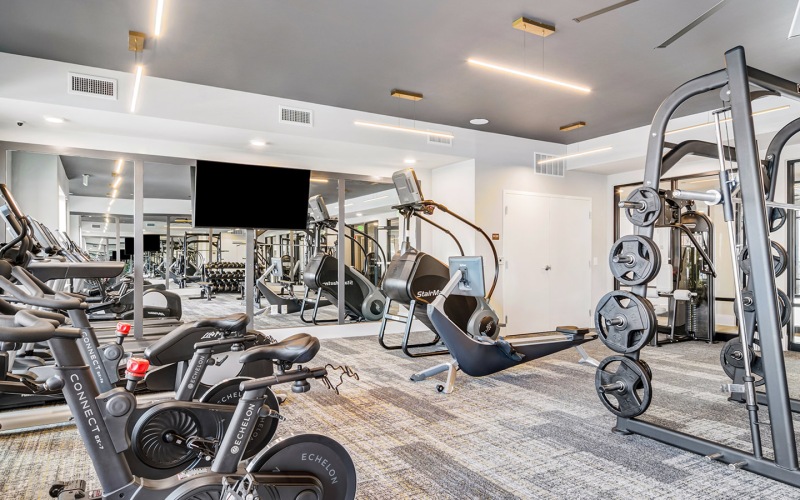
[[348, 204], [320, 181], [359, 214], [259, 143], [114, 193], [85, 179], [117, 182], [118, 167], [376, 199], [53, 119], [409, 161], [544, 79], [396, 128]]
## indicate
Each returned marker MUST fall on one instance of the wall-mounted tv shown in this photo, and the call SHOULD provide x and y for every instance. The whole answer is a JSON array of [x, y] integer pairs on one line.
[[151, 243], [234, 195]]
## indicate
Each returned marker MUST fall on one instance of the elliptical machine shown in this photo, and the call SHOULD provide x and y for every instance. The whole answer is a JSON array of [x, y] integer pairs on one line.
[[363, 300], [414, 278]]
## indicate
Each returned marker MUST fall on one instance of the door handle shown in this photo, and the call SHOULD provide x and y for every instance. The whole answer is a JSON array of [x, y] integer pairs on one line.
[[547, 267]]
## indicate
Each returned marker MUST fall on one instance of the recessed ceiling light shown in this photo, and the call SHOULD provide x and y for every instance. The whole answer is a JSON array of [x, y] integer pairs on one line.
[[259, 143], [409, 161], [53, 119], [479, 121]]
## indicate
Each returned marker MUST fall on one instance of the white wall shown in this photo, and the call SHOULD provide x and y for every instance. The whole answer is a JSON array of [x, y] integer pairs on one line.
[[34, 185], [454, 187]]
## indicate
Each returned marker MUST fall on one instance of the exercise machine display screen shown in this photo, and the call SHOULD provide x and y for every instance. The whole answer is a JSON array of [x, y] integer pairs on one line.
[[407, 187], [224, 194], [319, 212]]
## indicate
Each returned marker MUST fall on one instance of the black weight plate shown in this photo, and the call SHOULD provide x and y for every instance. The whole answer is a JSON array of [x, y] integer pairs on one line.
[[633, 398], [638, 321], [780, 259], [784, 305], [777, 218], [648, 213], [732, 360], [634, 260]]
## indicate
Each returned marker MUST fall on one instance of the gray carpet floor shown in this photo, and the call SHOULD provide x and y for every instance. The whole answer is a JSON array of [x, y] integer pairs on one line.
[[534, 431]]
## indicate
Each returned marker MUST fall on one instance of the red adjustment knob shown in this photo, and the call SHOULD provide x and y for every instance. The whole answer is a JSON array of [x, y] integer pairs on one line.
[[137, 367], [123, 328]]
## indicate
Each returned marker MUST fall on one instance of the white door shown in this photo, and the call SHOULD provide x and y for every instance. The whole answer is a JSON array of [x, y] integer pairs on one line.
[[570, 276], [525, 252], [547, 254]]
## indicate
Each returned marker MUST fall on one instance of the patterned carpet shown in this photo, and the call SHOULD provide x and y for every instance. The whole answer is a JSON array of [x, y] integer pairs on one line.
[[535, 431]]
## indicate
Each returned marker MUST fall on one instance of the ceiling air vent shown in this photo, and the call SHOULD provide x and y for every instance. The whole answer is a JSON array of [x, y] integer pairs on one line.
[[295, 116], [93, 86], [95, 226], [552, 168], [440, 141]]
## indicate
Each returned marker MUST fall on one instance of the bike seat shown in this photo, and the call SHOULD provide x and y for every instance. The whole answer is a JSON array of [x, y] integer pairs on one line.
[[231, 323], [300, 348]]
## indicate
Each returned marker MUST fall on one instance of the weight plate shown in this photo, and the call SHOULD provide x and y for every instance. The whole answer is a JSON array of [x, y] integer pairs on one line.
[[648, 206], [624, 386], [731, 357], [625, 322], [780, 259], [634, 260], [777, 218], [784, 305]]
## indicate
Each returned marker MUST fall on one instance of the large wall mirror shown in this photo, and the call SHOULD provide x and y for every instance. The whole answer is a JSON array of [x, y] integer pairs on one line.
[[88, 202]]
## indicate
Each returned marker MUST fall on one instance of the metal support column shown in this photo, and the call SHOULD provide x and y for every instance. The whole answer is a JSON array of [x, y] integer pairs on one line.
[[138, 254], [167, 256], [5, 165], [249, 275], [210, 244], [340, 251], [762, 277], [118, 252]]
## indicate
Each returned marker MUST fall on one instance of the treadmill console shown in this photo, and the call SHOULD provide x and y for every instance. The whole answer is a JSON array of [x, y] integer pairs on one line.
[[407, 186], [319, 212]]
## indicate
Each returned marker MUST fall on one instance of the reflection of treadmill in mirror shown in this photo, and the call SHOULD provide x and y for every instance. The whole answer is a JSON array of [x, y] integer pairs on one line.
[[414, 279], [363, 300], [278, 304]]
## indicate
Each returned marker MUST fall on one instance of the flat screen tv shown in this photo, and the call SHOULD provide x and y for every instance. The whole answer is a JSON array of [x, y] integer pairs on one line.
[[151, 243], [234, 195]]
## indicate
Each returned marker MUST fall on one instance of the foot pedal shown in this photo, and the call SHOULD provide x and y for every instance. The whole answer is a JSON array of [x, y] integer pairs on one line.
[[72, 490]]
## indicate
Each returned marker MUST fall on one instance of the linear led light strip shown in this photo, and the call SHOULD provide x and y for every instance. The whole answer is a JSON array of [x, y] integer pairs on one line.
[[136, 85], [404, 129], [701, 125], [540, 78], [573, 155], [159, 14]]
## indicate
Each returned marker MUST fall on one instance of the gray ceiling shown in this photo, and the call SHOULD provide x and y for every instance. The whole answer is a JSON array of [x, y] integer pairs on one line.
[[351, 53]]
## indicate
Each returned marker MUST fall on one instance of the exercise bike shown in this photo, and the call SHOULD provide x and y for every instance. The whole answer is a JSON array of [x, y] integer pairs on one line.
[[287, 469]]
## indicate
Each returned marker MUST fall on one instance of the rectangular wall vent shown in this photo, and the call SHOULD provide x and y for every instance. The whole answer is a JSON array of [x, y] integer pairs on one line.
[[93, 86], [440, 141], [553, 168], [295, 116]]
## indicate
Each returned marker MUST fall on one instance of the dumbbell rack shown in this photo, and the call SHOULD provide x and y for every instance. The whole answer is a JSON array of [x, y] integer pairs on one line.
[[626, 322], [225, 277]]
